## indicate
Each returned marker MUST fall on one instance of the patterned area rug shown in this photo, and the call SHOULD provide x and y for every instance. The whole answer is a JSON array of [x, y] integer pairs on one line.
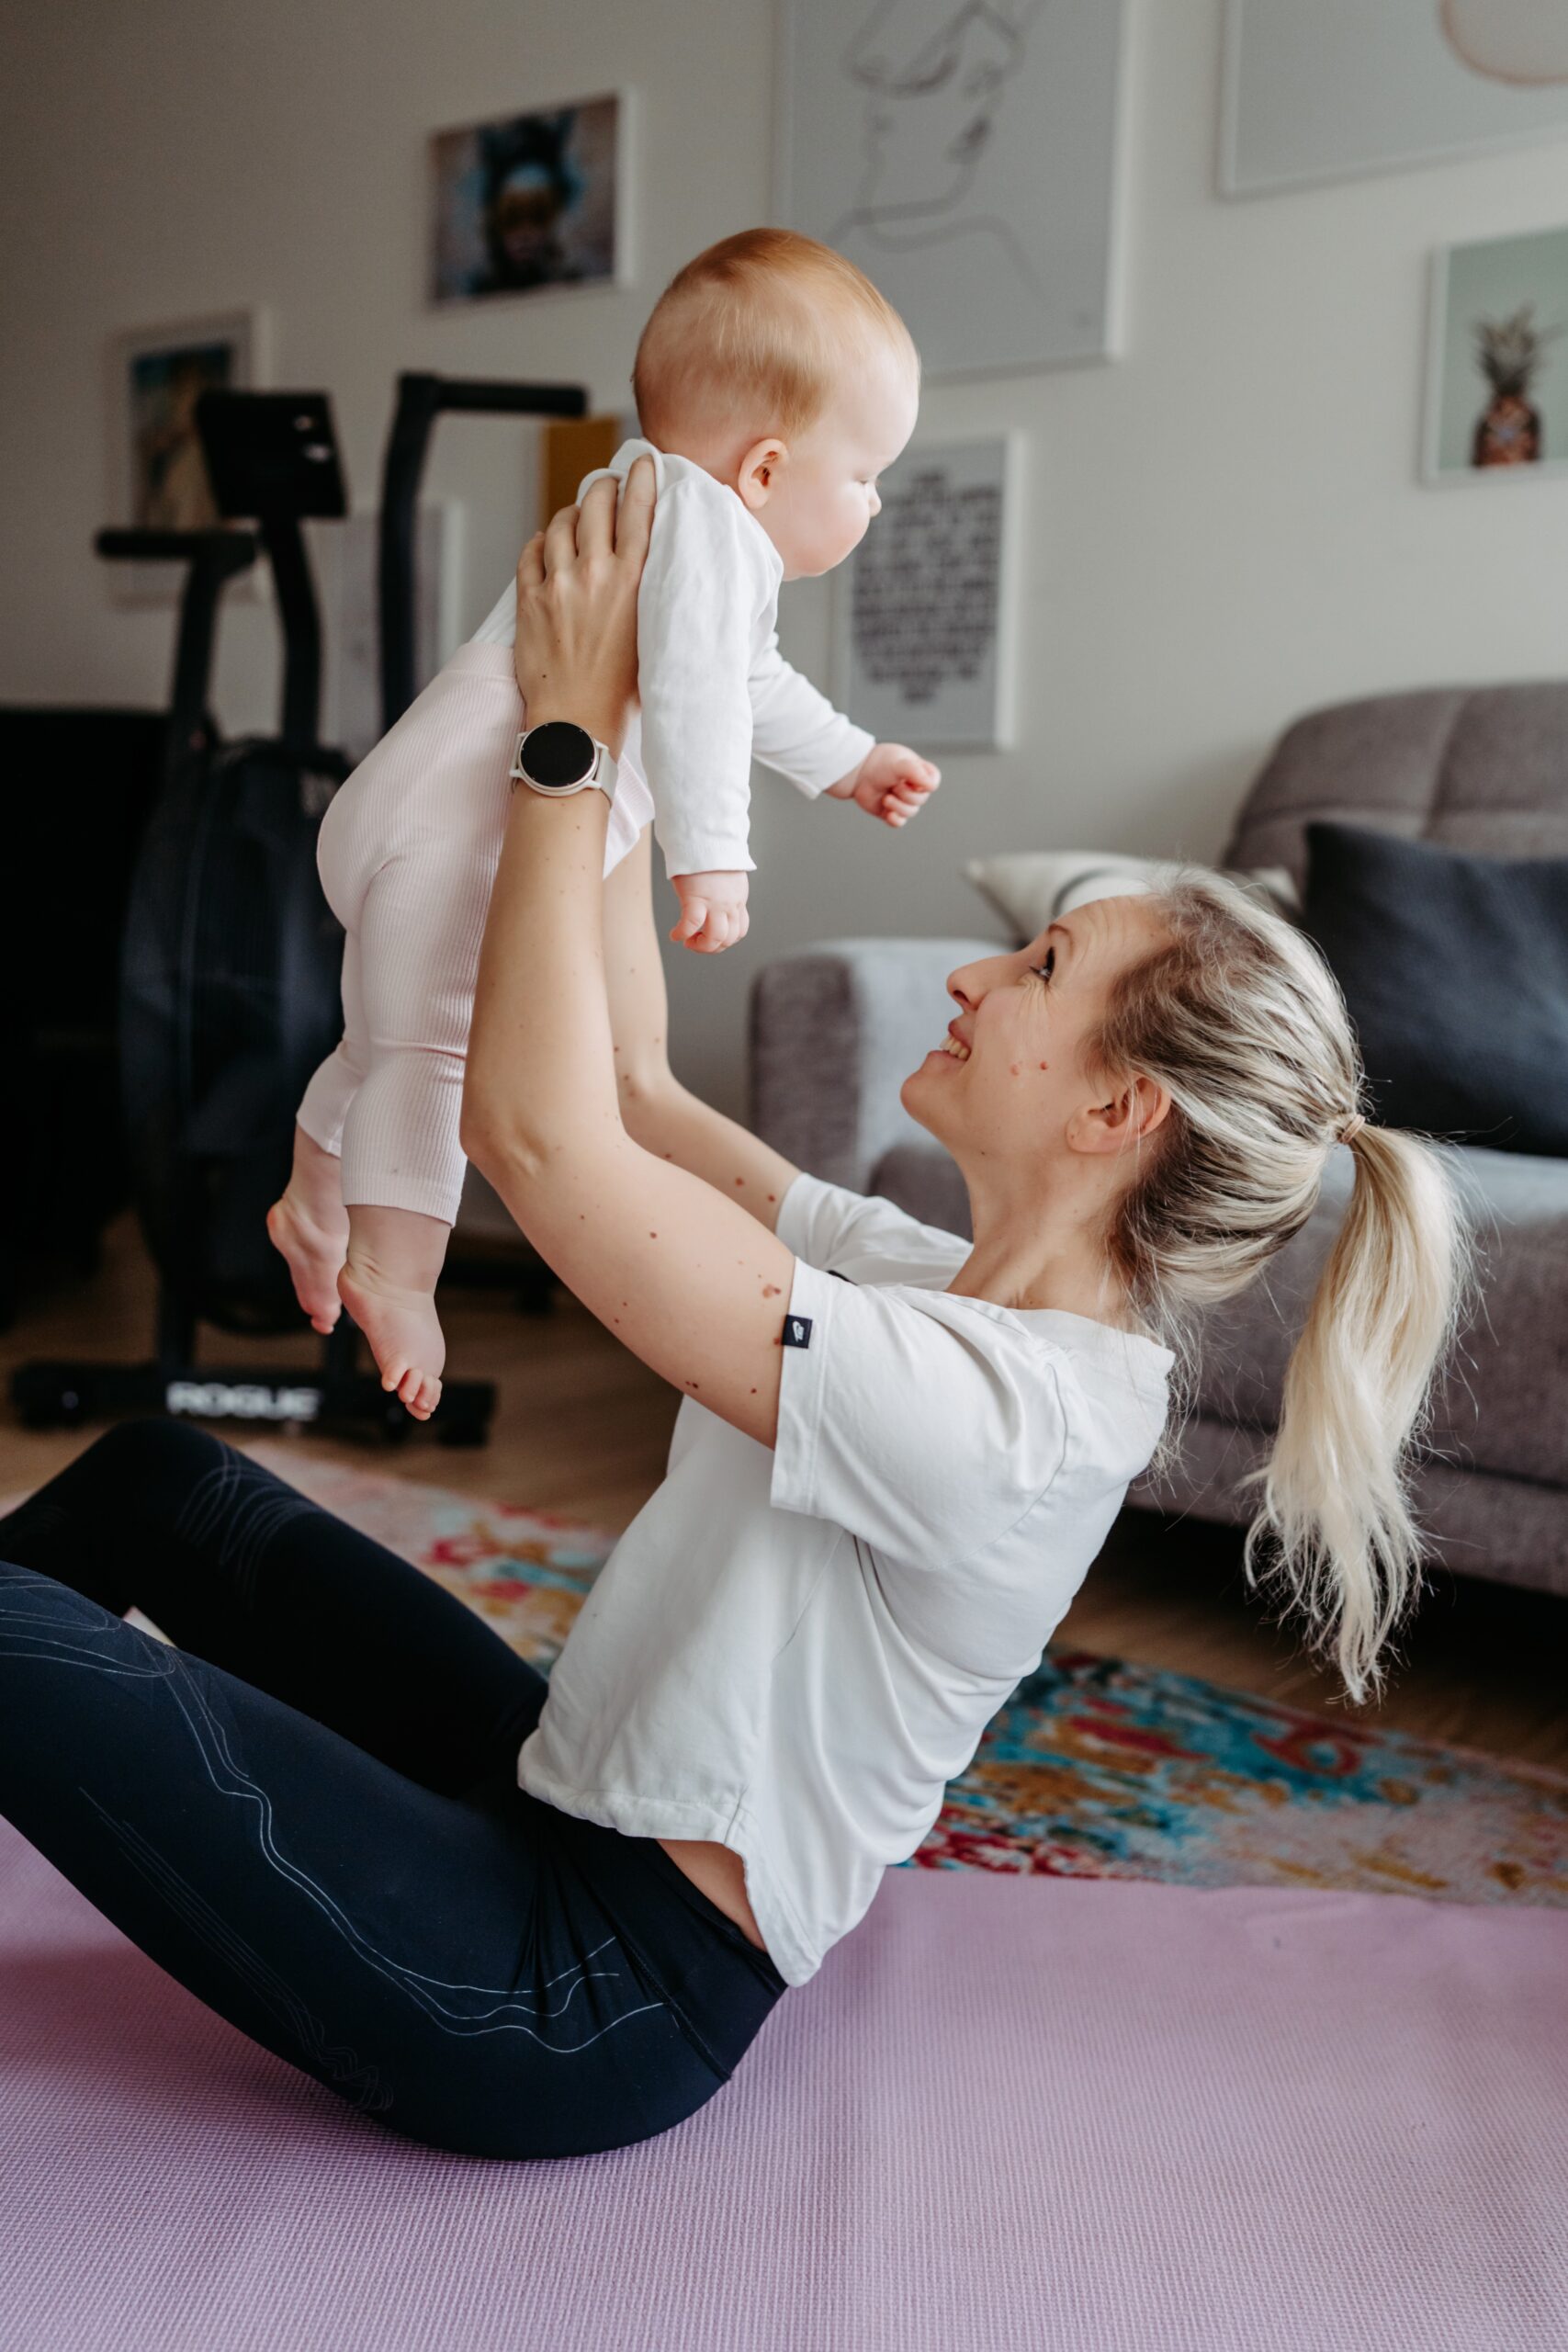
[[1097, 1768]]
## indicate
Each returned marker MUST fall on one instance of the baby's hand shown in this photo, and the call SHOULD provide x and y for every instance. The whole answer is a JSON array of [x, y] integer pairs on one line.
[[713, 911], [891, 782]]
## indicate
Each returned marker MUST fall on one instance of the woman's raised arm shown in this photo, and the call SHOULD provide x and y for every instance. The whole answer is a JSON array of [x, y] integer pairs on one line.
[[681, 1273], [660, 1113]]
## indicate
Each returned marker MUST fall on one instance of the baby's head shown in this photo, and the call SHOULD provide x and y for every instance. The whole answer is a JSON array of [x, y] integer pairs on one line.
[[777, 366]]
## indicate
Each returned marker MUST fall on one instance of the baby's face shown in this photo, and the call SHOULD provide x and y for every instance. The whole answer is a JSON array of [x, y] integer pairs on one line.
[[827, 493]]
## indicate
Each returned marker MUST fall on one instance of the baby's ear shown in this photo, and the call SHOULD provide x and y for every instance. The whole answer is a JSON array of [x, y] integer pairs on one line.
[[760, 469]]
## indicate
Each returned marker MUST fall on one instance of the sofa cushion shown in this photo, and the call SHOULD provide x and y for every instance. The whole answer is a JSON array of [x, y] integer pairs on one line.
[[1031, 888], [1500, 1408], [1482, 768], [1455, 970]]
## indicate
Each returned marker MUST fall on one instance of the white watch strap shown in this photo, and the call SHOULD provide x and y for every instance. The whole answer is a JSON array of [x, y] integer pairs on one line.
[[602, 776]]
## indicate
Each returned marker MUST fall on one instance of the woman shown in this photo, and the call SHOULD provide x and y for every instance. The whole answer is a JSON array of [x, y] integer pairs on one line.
[[342, 1810]]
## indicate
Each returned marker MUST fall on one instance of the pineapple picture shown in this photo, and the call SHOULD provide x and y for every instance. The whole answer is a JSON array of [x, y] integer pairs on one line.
[[1496, 404], [1510, 353]]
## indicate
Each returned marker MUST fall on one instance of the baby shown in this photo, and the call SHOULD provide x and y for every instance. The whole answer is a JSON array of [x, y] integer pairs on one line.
[[773, 384]]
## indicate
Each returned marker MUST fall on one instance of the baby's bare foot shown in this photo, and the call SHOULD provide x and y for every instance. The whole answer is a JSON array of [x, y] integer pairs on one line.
[[315, 1245], [404, 1332]]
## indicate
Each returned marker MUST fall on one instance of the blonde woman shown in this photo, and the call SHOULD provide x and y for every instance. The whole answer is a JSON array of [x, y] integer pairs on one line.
[[527, 1920]]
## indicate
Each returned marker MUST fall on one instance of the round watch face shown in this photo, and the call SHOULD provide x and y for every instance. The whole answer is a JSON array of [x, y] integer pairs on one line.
[[557, 753]]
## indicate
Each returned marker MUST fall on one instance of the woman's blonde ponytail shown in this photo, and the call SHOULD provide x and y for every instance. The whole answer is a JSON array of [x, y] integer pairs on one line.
[[1336, 1517], [1239, 1018]]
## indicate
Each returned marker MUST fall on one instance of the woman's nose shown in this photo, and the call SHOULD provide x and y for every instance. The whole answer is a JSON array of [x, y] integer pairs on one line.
[[971, 982]]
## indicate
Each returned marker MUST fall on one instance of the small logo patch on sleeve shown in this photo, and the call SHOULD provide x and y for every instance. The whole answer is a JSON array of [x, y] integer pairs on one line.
[[797, 1331]]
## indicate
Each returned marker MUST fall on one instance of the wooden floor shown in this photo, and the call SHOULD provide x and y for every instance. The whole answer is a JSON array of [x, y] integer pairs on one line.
[[582, 1428]]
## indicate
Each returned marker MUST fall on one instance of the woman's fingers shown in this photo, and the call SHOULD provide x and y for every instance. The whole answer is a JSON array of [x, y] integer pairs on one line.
[[531, 567], [599, 526], [634, 523], [560, 540], [596, 518]]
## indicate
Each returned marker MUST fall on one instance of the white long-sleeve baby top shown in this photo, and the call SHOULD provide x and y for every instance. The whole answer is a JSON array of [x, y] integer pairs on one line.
[[716, 692]]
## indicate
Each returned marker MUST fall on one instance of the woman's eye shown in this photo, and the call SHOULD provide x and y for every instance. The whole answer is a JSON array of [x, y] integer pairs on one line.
[[1044, 971]]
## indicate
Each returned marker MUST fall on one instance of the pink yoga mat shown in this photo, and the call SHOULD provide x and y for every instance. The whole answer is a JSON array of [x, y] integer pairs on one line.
[[1009, 2114]]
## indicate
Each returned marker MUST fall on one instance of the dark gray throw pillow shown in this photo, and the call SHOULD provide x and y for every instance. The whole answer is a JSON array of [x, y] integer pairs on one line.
[[1456, 973]]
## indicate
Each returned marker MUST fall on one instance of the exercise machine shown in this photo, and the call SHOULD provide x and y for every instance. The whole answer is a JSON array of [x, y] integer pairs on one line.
[[421, 400], [229, 967], [230, 963]]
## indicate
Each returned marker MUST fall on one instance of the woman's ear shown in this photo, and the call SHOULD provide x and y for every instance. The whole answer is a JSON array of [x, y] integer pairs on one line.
[[1133, 1109], [760, 469]]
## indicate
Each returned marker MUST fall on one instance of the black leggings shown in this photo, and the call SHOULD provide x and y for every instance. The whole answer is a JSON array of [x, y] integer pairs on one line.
[[309, 1814]]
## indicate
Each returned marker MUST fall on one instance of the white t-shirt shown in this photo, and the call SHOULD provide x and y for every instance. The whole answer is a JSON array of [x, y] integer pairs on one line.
[[794, 1652], [714, 690]]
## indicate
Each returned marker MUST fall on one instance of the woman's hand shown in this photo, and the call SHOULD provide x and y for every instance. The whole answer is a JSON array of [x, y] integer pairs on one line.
[[577, 585]]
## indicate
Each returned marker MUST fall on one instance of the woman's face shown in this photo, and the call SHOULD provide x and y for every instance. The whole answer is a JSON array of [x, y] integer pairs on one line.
[[1016, 1081]]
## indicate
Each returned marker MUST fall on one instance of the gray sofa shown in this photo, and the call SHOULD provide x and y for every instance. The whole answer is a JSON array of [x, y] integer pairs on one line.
[[835, 1029]]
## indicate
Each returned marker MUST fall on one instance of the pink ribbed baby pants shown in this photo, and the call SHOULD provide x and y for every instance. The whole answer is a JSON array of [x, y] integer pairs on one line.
[[408, 856]]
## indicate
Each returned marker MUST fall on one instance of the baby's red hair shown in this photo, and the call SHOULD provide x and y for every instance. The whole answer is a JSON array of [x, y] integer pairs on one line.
[[760, 327]]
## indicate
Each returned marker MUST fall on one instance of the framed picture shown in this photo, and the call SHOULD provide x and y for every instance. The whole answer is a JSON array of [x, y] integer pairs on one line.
[[157, 474], [924, 610], [1497, 360], [966, 159], [1329, 89], [531, 203]]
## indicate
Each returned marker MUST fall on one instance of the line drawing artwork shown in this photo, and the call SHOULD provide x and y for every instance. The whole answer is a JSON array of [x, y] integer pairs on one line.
[[962, 153], [930, 113]]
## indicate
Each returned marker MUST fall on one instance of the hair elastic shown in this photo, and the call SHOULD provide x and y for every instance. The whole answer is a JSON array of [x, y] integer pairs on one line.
[[1352, 1127]]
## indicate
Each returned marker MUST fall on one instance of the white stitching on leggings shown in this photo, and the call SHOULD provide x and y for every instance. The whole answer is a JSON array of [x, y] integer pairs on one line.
[[244, 1507], [170, 1666], [363, 2084]]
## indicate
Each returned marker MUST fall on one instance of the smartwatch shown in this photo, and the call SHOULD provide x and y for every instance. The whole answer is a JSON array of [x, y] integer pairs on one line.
[[558, 758]]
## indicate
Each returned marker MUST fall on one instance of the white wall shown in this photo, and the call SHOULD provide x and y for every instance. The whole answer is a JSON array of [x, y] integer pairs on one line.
[[1225, 527]]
